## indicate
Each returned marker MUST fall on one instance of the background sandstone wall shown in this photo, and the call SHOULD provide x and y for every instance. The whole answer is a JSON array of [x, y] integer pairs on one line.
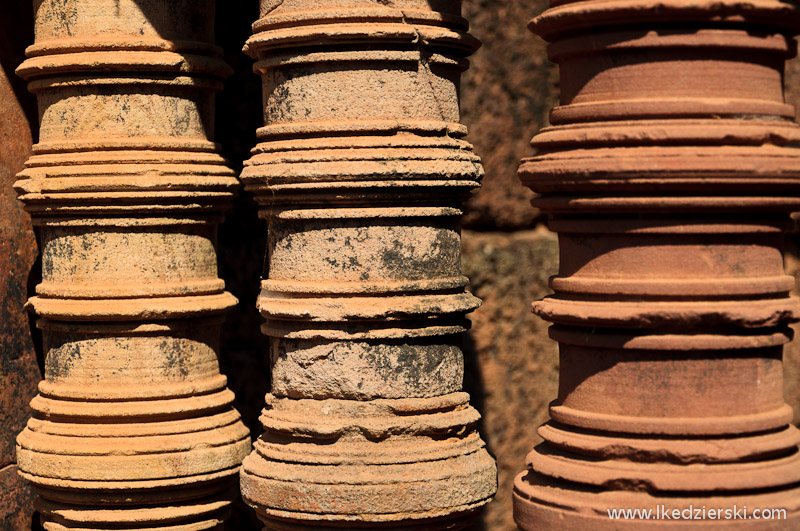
[[19, 341], [507, 252]]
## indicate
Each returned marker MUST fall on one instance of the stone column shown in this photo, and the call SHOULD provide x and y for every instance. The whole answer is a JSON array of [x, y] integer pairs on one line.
[[361, 171], [133, 426], [669, 173]]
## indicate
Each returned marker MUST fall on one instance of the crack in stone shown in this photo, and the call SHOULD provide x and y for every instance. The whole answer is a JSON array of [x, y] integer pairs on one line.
[[270, 8], [424, 56]]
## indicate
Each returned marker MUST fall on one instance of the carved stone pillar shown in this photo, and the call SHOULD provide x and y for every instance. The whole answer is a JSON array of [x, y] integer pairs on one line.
[[361, 171], [669, 172], [133, 426]]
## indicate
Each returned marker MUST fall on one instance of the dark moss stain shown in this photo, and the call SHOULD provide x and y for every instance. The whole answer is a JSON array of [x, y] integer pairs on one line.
[[277, 351], [287, 240], [174, 357], [70, 247], [279, 106], [404, 261], [62, 356], [346, 264], [417, 366], [180, 114], [66, 118], [56, 251], [62, 16]]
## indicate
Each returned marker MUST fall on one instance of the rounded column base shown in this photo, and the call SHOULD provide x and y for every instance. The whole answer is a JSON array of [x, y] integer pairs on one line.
[[542, 503], [182, 507], [454, 523]]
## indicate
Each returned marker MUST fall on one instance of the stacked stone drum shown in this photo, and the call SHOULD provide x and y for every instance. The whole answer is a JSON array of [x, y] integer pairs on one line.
[[133, 427], [670, 173], [360, 171]]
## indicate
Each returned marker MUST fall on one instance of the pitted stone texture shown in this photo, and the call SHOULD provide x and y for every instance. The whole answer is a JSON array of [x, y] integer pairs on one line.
[[16, 505], [511, 366], [19, 370], [360, 172], [384, 449], [670, 175], [364, 369], [506, 96], [81, 22], [133, 426]]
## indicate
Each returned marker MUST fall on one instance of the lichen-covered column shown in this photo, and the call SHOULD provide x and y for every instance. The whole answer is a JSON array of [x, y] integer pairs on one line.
[[361, 171], [133, 427], [669, 172]]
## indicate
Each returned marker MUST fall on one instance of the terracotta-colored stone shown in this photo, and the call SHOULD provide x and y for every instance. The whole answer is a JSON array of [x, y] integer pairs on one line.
[[670, 173], [16, 505], [361, 172], [133, 425], [19, 370]]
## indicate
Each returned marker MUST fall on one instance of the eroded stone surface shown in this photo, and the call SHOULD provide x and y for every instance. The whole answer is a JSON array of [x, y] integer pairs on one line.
[[361, 171], [19, 370], [512, 366], [133, 425], [505, 99], [670, 175]]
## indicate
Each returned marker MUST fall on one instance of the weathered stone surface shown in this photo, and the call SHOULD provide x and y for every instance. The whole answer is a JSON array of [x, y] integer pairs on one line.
[[791, 355], [670, 174], [133, 425], [508, 78], [792, 82], [361, 171], [15, 503], [506, 95], [19, 370], [512, 366], [509, 64]]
